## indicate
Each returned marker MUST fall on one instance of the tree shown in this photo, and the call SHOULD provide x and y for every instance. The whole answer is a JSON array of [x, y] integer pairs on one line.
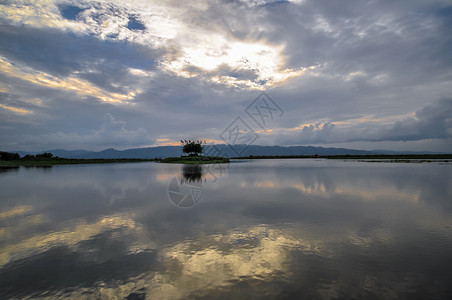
[[44, 155], [192, 148], [9, 156]]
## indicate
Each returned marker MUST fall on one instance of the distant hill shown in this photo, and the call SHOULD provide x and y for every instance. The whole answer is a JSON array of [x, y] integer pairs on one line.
[[215, 150]]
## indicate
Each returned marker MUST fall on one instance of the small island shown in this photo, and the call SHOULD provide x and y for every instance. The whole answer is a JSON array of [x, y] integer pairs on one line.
[[194, 151]]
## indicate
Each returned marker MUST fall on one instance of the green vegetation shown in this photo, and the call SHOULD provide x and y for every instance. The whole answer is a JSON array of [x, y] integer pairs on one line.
[[192, 148], [70, 161], [393, 156], [6, 156], [195, 160], [388, 157], [47, 159], [276, 156]]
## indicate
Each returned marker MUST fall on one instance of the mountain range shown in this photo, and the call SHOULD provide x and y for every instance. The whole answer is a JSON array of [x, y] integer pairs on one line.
[[214, 150]]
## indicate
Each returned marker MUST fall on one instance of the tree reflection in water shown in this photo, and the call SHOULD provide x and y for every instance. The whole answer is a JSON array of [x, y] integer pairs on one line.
[[192, 174]]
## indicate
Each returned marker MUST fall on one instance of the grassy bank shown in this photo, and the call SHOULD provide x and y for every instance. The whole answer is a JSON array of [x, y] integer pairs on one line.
[[195, 160], [72, 161], [218, 160], [68, 161], [394, 157]]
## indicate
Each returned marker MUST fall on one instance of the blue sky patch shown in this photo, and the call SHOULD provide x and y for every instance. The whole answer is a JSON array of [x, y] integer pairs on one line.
[[70, 12], [135, 24]]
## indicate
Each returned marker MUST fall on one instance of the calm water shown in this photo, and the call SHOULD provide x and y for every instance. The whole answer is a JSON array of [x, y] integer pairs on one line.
[[271, 229]]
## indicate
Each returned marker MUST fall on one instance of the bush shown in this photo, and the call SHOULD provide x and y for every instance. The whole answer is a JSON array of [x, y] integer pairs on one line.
[[44, 155], [9, 156]]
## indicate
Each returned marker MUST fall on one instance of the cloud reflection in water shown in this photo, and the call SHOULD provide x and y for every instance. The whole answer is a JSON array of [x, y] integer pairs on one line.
[[275, 229]]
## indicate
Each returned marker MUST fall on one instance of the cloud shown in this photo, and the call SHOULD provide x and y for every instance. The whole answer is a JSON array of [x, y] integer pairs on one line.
[[16, 109], [400, 40], [190, 69], [61, 54], [431, 122], [164, 27], [112, 133], [78, 86]]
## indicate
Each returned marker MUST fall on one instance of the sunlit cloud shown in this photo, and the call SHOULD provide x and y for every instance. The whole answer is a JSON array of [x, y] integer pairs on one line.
[[213, 52], [15, 211], [16, 109], [377, 194], [166, 142], [373, 119], [68, 237], [169, 27], [322, 125], [38, 13], [342, 188], [81, 87], [264, 258], [166, 177], [139, 72]]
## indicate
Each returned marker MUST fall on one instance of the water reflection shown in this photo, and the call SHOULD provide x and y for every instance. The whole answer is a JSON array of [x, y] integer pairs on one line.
[[205, 172], [192, 173], [5, 169], [187, 189], [204, 266], [266, 229], [42, 168]]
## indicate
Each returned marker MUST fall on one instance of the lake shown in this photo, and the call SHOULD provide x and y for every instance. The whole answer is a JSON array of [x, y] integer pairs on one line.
[[253, 229]]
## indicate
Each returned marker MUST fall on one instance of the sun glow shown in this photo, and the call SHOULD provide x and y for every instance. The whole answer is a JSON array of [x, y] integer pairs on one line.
[[192, 50], [250, 64]]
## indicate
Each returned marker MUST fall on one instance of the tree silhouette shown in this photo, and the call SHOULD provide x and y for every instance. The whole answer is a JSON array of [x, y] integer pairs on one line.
[[192, 148], [9, 156]]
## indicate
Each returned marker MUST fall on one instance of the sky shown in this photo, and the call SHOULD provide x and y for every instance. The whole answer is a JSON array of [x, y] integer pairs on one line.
[[126, 74]]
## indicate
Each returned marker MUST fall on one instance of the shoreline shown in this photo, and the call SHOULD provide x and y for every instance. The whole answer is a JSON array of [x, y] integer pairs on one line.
[[403, 158], [69, 161], [195, 160], [355, 157]]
